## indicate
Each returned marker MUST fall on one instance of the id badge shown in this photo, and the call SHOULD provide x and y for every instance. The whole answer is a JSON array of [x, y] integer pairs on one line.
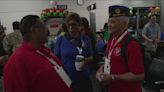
[[63, 75], [107, 66]]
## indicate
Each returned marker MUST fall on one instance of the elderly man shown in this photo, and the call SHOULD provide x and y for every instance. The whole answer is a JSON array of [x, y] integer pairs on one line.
[[122, 76]]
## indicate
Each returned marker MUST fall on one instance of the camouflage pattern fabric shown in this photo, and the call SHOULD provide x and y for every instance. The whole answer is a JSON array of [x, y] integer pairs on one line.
[[12, 41]]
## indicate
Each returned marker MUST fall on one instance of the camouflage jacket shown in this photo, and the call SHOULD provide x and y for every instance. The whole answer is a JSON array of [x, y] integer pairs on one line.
[[12, 41]]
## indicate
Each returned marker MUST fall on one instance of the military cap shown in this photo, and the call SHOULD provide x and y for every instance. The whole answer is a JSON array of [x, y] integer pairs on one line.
[[118, 10]]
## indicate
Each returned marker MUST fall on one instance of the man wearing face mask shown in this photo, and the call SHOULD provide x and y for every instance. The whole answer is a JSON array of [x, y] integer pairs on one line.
[[121, 77]]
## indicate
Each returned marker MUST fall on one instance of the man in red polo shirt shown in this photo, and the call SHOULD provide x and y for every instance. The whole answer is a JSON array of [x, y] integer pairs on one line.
[[33, 67], [120, 76]]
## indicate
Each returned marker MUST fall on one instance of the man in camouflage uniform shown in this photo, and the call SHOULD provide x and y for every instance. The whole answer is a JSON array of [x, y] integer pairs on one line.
[[12, 40], [3, 55]]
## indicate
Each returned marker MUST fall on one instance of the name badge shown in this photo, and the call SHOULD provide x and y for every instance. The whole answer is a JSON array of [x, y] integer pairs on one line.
[[107, 66], [63, 75]]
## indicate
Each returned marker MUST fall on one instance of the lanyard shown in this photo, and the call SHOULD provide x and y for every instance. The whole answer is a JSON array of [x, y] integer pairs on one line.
[[49, 59], [79, 49], [113, 45], [60, 71]]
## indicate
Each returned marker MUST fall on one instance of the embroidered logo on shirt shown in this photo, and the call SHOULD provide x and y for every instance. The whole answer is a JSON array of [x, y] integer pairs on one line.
[[117, 51]]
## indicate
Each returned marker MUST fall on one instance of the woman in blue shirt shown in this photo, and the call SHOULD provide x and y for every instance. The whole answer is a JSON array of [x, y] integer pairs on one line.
[[68, 47]]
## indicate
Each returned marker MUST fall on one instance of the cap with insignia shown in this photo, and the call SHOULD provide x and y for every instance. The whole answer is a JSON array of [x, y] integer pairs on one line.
[[118, 10]]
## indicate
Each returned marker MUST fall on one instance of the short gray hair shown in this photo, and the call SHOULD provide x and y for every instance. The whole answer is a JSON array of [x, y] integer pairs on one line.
[[124, 18]]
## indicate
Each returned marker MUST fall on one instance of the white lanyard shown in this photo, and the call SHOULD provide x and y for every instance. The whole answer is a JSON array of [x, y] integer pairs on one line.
[[49, 59], [113, 46], [79, 50], [63, 75]]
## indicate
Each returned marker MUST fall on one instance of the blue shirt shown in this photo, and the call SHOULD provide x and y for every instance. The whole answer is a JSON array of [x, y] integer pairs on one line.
[[162, 36], [67, 53], [100, 46], [151, 30]]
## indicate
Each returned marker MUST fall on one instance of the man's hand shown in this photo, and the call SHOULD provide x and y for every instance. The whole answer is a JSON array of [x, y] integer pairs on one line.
[[104, 79]]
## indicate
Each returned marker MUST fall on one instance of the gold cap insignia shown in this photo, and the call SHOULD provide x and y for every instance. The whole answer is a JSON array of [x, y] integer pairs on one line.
[[117, 11]]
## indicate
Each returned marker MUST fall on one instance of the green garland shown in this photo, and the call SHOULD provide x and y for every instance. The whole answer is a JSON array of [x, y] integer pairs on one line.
[[53, 13]]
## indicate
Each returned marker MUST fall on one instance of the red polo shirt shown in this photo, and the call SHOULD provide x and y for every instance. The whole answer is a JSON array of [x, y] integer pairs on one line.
[[28, 71], [135, 65]]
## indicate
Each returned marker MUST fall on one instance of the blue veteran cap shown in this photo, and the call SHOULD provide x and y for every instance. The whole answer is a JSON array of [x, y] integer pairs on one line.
[[118, 10]]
